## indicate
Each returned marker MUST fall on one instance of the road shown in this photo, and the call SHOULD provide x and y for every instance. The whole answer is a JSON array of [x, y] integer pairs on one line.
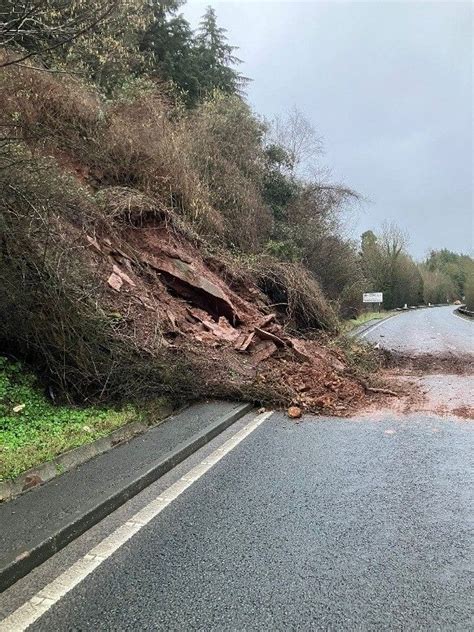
[[435, 330], [326, 524]]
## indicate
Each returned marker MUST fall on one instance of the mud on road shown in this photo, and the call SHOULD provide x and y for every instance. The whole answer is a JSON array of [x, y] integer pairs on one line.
[[427, 357], [440, 384], [460, 364]]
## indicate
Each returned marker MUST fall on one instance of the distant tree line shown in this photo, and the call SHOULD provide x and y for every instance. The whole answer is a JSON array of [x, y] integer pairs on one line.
[[443, 277]]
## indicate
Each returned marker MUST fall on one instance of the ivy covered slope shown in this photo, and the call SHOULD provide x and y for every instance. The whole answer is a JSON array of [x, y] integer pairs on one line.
[[34, 430]]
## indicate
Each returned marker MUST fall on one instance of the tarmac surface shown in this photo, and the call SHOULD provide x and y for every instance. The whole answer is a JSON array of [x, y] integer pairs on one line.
[[435, 330], [326, 524], [33, 520]]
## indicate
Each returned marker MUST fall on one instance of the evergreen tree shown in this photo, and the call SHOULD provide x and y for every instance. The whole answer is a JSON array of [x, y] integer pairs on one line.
[[216, 58], [169, 44], [197, 64]]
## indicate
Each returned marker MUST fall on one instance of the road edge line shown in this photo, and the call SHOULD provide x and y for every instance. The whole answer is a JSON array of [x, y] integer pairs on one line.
[[364, 332], [24, 616], [20, 567]]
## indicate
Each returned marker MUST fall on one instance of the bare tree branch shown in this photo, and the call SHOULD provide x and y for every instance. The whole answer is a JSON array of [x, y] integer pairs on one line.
[[12, 32]]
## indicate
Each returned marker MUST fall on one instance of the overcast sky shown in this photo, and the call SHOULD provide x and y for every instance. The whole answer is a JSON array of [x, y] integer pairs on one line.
[[388, 85]]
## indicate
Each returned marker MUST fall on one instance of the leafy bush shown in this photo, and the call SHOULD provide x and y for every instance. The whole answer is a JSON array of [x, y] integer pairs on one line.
[[437, 286], [469, 292], [284, 250], [223, 141], [456, 267]]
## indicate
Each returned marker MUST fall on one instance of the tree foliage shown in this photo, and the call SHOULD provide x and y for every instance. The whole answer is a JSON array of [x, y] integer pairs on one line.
[[469, 291], [216, 57], [168, 45], [46, 29], [389, 269], [458, 268], [196, 63], [98, 39], [110, 41]]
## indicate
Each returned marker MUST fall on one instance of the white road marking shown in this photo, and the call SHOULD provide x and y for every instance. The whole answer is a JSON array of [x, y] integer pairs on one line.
[[35, 607], [372, 328]]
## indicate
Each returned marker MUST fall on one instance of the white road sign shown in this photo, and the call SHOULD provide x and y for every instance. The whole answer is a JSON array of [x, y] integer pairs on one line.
[[372, 297]]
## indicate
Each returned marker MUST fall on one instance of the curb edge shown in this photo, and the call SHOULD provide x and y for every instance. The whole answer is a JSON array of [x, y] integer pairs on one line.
[[22, 565]]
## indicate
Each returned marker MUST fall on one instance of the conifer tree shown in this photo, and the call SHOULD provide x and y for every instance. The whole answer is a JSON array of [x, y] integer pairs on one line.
[[169, 45], [216, 58]]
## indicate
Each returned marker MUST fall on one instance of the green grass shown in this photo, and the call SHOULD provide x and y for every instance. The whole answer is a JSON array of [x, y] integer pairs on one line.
[[41, 430], [363, 318]]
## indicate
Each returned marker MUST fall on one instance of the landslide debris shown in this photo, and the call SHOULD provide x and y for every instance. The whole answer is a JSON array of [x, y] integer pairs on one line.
[[139, 311], [155, 275], [112, 281]]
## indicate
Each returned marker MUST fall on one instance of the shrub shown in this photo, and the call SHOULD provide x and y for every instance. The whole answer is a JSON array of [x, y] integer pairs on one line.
[[51, 303], [130, 142], [437, 286], [49, 113], [223, 141], [469, 291], [294, 291]]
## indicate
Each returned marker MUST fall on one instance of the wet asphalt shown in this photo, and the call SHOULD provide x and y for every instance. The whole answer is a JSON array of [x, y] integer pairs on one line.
[[435, 330], [29, 520], [327, 524]]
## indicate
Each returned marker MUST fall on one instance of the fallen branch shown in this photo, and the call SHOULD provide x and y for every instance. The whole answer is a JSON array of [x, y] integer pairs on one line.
[[385, 391], [376, 389]]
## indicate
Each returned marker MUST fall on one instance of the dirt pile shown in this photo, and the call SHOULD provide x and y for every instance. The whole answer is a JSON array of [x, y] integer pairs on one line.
[[426, 363], [159, 286], [427, 383]]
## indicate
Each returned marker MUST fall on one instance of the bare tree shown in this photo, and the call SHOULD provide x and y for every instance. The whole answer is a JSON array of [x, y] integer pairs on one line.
[[298, 137], [393, 240]]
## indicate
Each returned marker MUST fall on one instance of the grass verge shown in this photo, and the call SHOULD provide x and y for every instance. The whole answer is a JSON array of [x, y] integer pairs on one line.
[[363, 318], [33, 430]]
